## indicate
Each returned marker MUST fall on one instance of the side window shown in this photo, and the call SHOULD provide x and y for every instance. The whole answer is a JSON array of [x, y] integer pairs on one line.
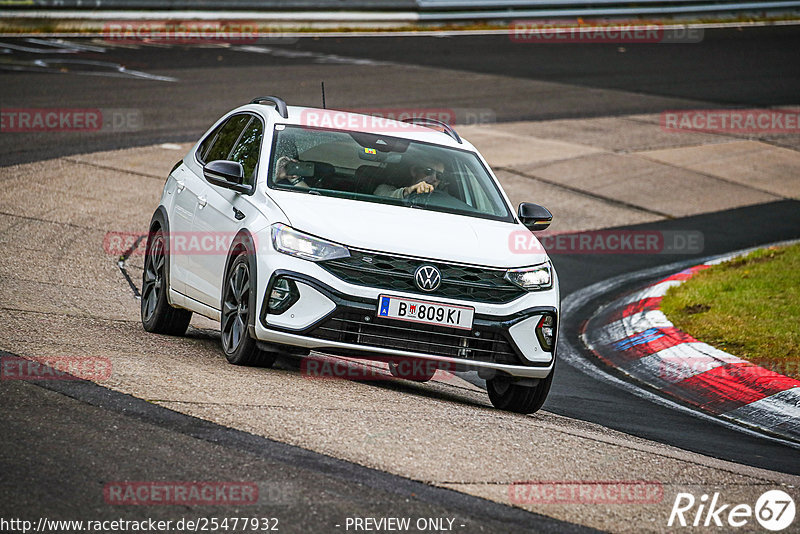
[[248, 149], [226, 138], [206, 144]]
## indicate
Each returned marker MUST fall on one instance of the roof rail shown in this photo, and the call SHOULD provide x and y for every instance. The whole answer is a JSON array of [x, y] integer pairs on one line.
[[280, 105], [433, 123]]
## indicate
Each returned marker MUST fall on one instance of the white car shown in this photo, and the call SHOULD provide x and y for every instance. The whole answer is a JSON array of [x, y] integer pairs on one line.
[[303, 228]]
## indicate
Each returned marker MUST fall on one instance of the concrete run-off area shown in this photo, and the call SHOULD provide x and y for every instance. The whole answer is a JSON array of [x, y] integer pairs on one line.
[[63, 295]]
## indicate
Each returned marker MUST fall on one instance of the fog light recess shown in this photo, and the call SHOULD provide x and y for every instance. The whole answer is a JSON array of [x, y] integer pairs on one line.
[[282, 296], [545, 332]]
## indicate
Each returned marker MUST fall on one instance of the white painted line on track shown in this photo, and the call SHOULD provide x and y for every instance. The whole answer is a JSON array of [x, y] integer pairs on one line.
[[56, 66], [316, 57], [39, 50], [58, 43]]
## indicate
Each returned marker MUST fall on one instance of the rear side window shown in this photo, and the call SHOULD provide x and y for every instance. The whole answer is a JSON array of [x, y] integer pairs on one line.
[[248, 149], [219, 144], [206, 144]]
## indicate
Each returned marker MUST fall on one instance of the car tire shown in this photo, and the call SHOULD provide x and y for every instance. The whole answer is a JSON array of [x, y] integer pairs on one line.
[[156, 313], [238, 346], [511, 397], [417, 373]]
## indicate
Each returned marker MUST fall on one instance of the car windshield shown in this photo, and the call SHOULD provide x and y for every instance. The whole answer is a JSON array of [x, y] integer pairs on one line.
[[383, 169]]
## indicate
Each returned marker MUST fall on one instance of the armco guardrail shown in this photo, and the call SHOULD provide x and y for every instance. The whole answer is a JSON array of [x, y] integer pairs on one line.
[[457, 10], [440, 5], [425, 10]]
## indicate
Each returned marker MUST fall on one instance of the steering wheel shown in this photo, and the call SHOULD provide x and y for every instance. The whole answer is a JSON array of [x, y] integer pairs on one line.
[[438, 198]]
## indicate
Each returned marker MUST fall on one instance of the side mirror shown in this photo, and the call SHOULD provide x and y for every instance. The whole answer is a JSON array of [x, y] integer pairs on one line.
[[228, 174], [534, 216]]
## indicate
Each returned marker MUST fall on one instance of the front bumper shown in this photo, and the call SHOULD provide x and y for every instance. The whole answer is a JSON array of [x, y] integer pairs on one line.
[[344, 321]]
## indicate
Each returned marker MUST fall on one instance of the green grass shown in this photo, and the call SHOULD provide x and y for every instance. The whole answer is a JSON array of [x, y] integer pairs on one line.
[[749, 307]]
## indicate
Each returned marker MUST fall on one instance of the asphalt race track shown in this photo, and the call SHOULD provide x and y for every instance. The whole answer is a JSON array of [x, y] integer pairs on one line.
[[175, 92], [730, 67], [324, 491]]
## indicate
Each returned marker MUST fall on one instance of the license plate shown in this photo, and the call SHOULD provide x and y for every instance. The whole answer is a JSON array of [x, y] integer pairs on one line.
[[421, 311]]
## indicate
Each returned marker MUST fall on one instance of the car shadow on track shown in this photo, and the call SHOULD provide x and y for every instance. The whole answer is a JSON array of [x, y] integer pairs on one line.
[[324, 367], [320, 366]]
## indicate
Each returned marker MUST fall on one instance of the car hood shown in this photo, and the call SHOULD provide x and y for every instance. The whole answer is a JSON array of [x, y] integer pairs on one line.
[[410, 231]]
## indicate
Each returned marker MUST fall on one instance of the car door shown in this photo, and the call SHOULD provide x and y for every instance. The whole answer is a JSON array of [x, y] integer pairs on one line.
[[221, 213], [180, 224], [196, 243]]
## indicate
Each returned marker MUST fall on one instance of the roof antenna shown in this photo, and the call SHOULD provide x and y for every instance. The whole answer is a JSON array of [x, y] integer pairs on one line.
[[323, 94]]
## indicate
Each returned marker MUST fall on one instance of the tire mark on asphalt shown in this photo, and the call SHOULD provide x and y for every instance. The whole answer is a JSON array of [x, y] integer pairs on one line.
[[727, 181], [110, 168], [121, 261], [595, 196], [57, 314], [43, 282], [48, 221]]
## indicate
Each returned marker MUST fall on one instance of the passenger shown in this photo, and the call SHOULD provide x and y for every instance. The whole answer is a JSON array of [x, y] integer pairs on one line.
[[283, 177]]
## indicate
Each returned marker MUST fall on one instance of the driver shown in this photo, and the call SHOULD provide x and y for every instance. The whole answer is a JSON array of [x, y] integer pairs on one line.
[[426, 176]]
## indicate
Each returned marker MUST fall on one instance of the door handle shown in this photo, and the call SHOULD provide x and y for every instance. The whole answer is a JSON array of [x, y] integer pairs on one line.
[[202, 201], [179, 185]]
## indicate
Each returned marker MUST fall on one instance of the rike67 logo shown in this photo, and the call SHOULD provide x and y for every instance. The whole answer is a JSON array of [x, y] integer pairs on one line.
[[774, 510]]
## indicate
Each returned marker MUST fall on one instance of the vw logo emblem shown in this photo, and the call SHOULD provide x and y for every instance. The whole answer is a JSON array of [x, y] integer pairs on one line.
[[427, 278]]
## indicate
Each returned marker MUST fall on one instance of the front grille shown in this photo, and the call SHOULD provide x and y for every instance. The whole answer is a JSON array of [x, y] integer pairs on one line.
[[363, 328], [393, 273]]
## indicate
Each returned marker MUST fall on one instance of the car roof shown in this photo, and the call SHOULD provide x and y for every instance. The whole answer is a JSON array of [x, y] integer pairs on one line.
[[358, 122]]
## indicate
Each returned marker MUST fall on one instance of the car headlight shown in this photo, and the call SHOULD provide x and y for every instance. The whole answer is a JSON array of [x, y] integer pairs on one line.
[[536, 278], [289, 241]]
